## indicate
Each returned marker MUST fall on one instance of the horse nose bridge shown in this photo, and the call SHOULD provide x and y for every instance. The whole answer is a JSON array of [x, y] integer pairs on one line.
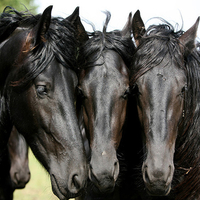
[[104, 164]]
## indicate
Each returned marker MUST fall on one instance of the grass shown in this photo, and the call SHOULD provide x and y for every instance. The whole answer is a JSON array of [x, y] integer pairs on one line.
[[39, 186]]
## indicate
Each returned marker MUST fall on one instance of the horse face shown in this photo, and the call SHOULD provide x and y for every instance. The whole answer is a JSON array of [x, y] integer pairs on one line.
[[104, 95], [160, 103], [45, 114], [39, 96], [159, 73], [18, 152]]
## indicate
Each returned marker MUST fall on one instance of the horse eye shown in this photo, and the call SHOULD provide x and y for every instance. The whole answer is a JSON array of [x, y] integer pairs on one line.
[[135, 90], [183, 91], [41, 90], [126, 93], [80, 93]]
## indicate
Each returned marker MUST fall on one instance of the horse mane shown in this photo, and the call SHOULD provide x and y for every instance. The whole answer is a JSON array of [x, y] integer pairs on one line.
[[152, 49], [157, 42], [187, 155], [99, 42], [59, 43]]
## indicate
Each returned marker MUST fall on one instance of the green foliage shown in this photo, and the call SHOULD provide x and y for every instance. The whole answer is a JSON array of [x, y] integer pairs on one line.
[[19, 5]]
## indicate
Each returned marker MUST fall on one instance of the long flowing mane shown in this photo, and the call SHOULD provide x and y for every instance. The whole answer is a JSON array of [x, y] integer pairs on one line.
[[59, 42], [101, 41], [187, 155], [157, 42]]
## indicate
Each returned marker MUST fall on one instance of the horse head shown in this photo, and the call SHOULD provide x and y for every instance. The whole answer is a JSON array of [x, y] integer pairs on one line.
[[103, 88], [39, 64], [160, 82]]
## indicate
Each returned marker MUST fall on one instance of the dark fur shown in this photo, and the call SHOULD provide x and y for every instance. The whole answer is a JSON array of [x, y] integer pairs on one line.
[[101, 41], [60, 33], [186, 182], [98, 43], [35, 48]]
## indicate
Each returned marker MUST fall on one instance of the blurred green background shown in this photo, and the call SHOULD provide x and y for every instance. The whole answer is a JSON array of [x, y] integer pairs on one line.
[[19, 5]]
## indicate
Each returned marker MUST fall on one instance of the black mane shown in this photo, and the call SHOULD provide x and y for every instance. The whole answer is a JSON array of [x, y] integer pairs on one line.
[[152, 49], [100, 41], [150, 53], [60, 42], [187, 155]]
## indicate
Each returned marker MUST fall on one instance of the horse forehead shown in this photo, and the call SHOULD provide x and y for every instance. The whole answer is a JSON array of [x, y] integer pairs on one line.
[[104, 75], [170, 75], [108, 68]]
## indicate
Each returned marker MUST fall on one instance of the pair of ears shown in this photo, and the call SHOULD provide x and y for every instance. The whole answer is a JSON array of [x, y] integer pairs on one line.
[[187, 40], [135, 25]]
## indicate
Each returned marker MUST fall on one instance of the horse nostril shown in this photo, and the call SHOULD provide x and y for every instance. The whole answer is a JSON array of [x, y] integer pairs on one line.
[[92, 176], [76, 181], [116, 170], [146, 177], [168, 181], [16, 175]]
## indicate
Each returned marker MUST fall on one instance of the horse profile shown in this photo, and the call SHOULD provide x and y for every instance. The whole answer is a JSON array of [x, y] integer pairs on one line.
[[18, 154], [103, 89], [165, 76], [15, 172], [38, 93]]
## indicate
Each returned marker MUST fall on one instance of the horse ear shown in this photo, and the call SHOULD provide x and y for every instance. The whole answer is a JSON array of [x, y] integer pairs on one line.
[[39, 31], [126, 31], [75, 20], [138, 27], [187, 40]]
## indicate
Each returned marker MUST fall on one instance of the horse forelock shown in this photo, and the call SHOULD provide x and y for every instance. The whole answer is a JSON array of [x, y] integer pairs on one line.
[[158, 42], [99, 41]]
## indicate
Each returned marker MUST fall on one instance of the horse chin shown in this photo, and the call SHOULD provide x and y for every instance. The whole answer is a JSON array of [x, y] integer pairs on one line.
[[156, 191], [62, 194], [19, 186], [107, 190], [104, 186]]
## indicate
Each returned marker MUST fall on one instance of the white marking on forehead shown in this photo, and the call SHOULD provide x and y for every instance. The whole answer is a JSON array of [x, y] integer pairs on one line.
[[103, 153]]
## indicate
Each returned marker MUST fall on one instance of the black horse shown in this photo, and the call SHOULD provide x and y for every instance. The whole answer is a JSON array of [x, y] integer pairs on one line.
[[165, 76], [103, 88], [38, 93], [15, 169], [18, 154]]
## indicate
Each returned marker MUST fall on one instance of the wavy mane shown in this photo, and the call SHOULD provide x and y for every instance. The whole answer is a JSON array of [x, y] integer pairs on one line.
[[59, 43], [163, 35], [157, 42], [100, 41], [187, 155]]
